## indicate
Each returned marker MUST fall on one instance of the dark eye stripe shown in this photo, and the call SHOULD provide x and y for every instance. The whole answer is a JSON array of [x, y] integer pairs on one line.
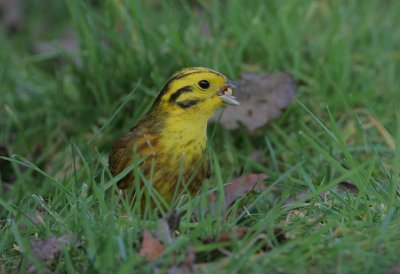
[[188, 103], [177, 93]]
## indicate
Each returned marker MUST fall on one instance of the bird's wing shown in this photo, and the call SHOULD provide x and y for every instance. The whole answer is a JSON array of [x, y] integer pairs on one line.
[[122, 153]]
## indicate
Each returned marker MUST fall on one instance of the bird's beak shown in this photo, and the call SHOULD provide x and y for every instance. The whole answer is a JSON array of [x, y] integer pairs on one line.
[[225, 93]]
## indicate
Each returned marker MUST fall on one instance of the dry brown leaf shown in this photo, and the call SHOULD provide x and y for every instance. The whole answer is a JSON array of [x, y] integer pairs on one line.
[[396, 269], [154, 244], [239, 187], [262, 98], [151, 247], [50, 249]]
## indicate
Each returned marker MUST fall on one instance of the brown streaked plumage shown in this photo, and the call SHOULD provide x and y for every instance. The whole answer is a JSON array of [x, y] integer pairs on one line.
[[172, 135]]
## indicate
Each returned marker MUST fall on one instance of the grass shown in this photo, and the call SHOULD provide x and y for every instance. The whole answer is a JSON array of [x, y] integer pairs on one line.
[[61, 110]]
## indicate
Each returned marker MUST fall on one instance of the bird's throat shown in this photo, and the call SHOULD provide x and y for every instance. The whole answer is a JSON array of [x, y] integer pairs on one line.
[[185, 135]]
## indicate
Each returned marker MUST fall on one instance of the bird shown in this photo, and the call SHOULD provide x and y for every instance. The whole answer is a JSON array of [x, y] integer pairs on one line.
[[172, 136]]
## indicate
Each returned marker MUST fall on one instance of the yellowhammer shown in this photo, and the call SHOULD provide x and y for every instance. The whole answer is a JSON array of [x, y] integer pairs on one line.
[[172, 135]]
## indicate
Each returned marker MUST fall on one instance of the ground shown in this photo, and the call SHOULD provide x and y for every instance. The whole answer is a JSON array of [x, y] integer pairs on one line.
[[75, 75]]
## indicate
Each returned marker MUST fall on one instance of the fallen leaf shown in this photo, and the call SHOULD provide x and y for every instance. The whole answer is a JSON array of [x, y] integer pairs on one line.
[[151, 247], [262, 98], [239, 187], [50, 249], [396, 269], [153, 244]]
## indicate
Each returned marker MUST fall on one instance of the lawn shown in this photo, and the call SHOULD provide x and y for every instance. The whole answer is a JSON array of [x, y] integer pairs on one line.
[[75, 75]]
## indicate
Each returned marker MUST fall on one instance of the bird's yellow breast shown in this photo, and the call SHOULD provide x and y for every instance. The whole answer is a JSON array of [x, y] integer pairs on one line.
[[184, 139]]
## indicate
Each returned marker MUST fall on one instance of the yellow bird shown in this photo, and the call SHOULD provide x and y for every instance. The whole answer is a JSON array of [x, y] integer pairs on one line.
[[172, 135]]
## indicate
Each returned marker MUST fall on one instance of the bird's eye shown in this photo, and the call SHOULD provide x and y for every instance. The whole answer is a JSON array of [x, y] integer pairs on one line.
[[204, 84]]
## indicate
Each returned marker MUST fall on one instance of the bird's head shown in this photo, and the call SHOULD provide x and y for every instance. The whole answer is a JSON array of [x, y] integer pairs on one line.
[[196, 91]]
